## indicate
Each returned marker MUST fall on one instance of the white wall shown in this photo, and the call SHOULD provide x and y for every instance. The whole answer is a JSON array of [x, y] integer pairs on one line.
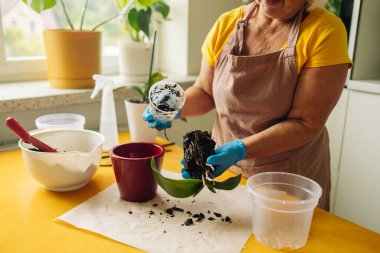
[[180, 40]]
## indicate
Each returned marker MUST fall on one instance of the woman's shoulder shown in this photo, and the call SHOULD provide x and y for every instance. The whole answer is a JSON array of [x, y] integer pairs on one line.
[[322, 40], [320, 17], [231, 17]]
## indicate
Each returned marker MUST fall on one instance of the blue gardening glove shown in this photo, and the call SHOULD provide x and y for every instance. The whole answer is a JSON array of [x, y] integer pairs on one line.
[[157, 123], [227, 155], [185, 173]]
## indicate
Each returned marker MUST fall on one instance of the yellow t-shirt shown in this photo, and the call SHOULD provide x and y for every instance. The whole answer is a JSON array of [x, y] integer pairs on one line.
[[322, 40]]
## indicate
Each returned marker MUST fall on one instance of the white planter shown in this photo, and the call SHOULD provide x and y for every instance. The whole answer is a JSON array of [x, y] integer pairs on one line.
[[138, 128], [134, 61]]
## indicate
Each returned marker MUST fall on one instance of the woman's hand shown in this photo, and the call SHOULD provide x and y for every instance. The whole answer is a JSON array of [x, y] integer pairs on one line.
[[157, 123], [225, 156]]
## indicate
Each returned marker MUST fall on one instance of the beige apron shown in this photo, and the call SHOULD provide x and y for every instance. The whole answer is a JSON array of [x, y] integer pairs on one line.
[[253, 93]]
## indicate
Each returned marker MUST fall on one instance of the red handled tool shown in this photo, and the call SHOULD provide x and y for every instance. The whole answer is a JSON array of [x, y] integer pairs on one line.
[[15, 126]]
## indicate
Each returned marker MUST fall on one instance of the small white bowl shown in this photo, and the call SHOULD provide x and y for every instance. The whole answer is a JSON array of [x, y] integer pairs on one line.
[[78, 157]]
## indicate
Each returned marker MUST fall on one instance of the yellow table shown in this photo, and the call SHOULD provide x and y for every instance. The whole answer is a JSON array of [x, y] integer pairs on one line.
[[27, 214]]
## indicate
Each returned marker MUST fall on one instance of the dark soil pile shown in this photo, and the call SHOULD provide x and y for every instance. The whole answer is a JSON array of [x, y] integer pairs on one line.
[[197, 146]]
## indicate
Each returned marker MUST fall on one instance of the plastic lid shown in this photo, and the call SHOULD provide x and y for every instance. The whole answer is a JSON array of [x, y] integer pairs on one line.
[[61, 121]]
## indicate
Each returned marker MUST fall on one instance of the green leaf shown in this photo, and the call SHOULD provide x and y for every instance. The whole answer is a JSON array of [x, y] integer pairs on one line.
[[40, 5], [209, 185], [196, 193], [143, 20], [156, 77], [182, 188], [145, 3], [118, 88], [184, 120], [162, 8], [138, 89], [228, 184], [132, 19]]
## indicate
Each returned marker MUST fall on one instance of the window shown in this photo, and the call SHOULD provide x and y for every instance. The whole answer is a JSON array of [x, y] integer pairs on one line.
[[21, 44]]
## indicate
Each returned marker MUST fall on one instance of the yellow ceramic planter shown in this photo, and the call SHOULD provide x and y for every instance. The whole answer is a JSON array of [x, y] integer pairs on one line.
[[73, 57]]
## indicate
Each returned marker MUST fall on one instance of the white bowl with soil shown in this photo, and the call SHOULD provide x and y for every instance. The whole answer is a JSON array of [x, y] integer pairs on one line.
[[78, 157]]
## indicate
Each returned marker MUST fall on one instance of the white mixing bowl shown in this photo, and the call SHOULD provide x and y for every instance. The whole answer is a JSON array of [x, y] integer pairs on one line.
[[78, 157]]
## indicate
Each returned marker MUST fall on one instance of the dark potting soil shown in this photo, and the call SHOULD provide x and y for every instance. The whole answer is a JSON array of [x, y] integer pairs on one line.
[[169, 211], [163, 106], [197, 146], [163, 103], [218, 215], [199, 217], [177, 209], [189, 222], [193, 218]]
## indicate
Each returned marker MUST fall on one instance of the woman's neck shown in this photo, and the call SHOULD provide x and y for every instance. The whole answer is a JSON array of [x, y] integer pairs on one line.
[[263, 20]]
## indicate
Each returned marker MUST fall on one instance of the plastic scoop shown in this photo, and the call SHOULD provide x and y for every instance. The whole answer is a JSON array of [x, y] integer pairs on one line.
[[20, 131]]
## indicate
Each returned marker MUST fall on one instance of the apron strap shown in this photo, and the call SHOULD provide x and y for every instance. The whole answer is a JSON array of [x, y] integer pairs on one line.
[[294, 31], [239, 34]]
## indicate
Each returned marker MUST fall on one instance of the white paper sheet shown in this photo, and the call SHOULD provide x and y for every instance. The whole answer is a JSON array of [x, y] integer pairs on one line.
[[131, 223]]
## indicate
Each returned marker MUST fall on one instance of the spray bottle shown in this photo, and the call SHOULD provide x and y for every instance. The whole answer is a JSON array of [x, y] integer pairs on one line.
[[108, 122]]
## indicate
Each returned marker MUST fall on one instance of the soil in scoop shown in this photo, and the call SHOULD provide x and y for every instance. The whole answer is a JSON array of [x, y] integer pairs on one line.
[[163, 103], [197, 146]]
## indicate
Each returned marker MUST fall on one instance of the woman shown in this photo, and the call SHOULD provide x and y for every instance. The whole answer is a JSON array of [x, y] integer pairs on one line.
[[273, 70]]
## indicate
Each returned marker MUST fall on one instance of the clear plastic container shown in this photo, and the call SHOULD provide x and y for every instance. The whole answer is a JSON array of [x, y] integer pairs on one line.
[[166, 98], [60, 121], [283, 205]]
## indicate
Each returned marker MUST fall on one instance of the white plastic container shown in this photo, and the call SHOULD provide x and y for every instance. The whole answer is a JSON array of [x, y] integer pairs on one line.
[[283, 205], [61, 121], [166, 93]]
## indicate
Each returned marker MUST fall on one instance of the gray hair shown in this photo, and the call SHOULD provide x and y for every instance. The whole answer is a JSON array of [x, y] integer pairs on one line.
[[310, 4]]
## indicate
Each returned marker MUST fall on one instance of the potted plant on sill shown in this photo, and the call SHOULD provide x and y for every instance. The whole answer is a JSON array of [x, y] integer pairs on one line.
[[135, 52], [135, 106], [72, 56]]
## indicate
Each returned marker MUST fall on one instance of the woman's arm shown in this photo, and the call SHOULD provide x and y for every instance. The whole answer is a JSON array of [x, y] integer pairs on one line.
[[318, 91], [199, 98]]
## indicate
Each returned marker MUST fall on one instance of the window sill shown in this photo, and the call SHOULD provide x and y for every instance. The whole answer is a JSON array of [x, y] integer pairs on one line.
[[35, 95]]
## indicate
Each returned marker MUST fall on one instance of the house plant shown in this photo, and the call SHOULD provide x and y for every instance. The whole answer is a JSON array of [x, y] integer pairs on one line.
[[135, 106], [135, 51], [73, 55]]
